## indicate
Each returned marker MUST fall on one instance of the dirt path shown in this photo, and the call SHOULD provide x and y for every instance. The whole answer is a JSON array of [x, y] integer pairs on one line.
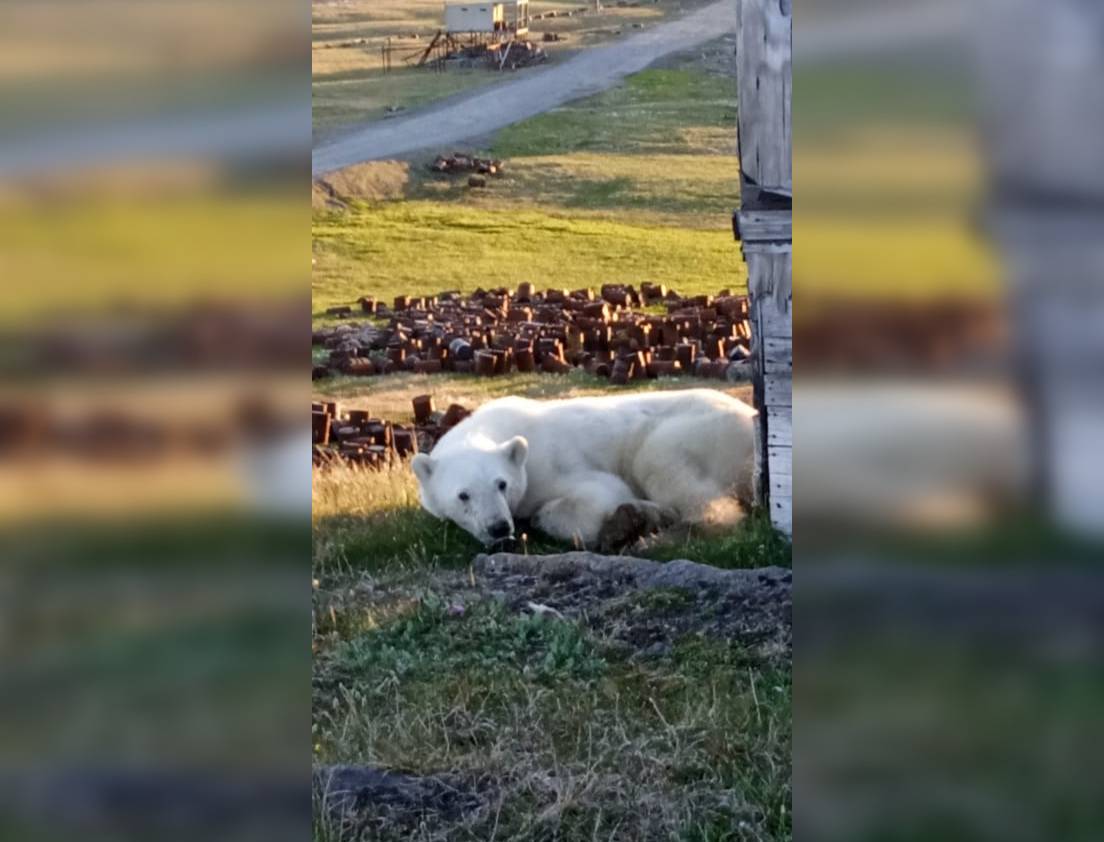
[[534, 92]]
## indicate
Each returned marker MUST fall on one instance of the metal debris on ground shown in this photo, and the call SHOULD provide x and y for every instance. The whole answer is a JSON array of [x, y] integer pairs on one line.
[[356, 437], [458, 162], [493, 332], [512, 54]]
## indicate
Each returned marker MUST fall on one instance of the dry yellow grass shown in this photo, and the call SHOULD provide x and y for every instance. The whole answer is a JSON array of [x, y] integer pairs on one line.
[[390, 397], [341, 490], [684, 190]]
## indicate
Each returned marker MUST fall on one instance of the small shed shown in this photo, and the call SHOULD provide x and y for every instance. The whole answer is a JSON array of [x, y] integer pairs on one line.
[[516, 15], [487, 18], [763, 225]]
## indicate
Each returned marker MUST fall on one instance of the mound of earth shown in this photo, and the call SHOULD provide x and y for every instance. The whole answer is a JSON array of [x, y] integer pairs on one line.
[[373, 181], [646, 606], [640, 606]]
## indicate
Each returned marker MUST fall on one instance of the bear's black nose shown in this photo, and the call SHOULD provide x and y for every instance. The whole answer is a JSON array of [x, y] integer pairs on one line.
[[501, 529]]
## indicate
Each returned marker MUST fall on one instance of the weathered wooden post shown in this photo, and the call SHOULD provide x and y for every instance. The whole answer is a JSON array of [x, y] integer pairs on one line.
[[764, 226]]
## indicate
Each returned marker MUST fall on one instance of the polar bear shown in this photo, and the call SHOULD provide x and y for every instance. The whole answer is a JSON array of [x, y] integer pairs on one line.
[[588, 470]]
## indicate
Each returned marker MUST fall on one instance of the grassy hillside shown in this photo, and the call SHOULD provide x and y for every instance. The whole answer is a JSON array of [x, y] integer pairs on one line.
[[635, 184]]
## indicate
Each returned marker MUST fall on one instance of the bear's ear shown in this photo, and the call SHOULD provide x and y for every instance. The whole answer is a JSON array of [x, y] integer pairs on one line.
[[423, 467], [517, 450]]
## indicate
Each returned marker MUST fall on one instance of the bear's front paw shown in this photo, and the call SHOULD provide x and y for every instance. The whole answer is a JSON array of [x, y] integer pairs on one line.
[[632, 521]]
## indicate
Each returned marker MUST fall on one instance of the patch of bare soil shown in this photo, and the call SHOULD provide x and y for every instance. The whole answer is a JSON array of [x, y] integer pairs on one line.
[[373, 181], [397, 801]]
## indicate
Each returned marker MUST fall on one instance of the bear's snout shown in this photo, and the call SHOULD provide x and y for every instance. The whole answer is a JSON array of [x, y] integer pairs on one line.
[[500, 529]]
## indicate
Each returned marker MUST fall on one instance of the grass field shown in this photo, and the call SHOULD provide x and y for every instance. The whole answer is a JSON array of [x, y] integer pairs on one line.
[[566, 732], [635, 184], [426, 247]]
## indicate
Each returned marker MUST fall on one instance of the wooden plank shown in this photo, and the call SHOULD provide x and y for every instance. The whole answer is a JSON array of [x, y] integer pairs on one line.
[[777, 390], [777, 355], [780, 461], [770, 276], [780, 425], [781, 511], [767, 247], [781, 485], [780, 496], [763, 77], [774, 324], [767, 226], [762, 494], [778, 369]]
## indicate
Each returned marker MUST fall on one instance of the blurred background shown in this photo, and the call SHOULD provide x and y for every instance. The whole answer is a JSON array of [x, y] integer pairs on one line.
[[154, 468], [950, 630], [154, 482]]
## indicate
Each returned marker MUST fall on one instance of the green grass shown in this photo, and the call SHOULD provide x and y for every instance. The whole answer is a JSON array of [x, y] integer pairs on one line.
[[421, 644], [564, 735], [656, 150], [425, 247], [660, 111], [373, 522], [671, 189], [634, 184]]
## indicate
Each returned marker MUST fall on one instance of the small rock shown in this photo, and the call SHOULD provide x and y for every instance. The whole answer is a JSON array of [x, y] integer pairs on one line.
[[739, 372]]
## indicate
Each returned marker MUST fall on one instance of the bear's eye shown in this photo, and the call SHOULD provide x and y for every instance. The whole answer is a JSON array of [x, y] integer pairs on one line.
[[502, 485], [464, 497]]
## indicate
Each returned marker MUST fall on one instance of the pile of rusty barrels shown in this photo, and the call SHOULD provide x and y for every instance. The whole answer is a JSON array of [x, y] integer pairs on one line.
[[619, 333], [357, 438]]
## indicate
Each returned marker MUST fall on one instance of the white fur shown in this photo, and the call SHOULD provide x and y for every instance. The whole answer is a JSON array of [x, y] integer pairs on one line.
[[569, 464]]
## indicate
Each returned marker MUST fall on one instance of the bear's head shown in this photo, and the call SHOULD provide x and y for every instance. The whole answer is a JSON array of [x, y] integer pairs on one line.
[[477, 487]]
